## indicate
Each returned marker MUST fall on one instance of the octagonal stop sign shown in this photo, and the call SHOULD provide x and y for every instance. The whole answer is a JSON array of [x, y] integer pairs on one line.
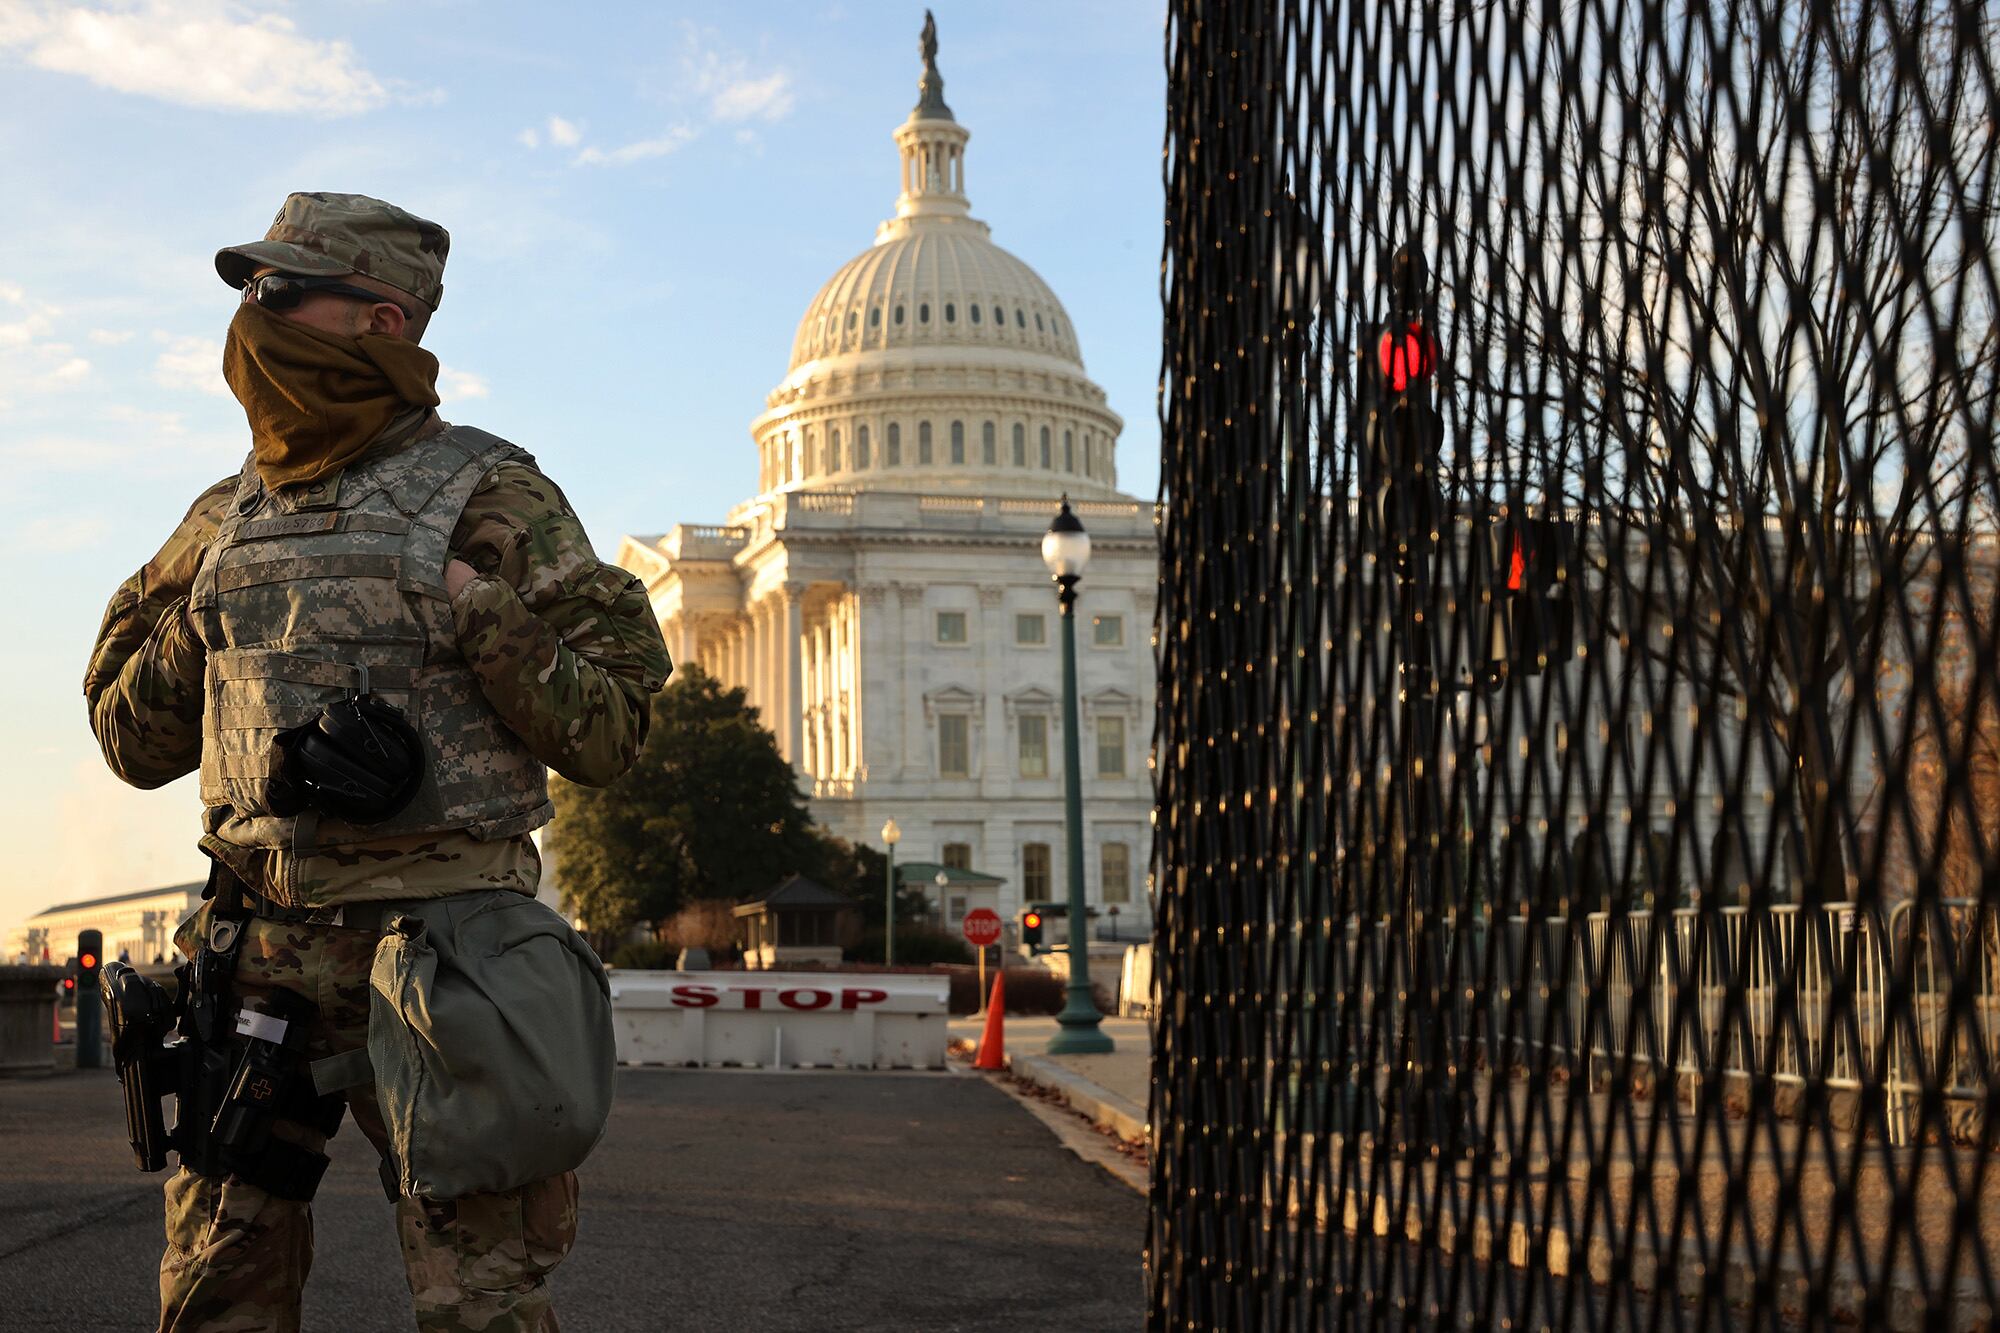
[[982, 927]]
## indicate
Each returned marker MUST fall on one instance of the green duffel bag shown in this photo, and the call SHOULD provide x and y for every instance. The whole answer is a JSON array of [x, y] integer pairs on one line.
[[489, 1030]]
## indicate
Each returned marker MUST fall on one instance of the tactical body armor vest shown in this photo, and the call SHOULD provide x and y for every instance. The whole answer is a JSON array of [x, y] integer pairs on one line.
[[312, 592]]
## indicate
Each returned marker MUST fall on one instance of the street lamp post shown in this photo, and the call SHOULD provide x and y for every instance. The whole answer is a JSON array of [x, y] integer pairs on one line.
[[943, 882], [1066, 550], [891, 835]]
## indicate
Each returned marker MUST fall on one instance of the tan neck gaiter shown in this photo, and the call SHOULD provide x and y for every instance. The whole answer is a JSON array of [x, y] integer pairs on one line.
[[316, 400]]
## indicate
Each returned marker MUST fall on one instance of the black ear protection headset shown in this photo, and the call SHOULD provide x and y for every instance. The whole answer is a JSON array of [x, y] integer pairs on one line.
[[359, 761]]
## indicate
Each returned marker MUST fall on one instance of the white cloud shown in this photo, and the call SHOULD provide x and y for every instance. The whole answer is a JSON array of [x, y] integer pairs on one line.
[[768, 98], [725, 79], [460, 384], [715, 87], [63, 532], [219, 54], [674, 138], [190, 361], [35, 362], [529, 138], [110, 337]]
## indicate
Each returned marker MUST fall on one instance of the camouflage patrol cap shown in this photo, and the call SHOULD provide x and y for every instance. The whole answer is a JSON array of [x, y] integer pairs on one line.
[[324, 235]]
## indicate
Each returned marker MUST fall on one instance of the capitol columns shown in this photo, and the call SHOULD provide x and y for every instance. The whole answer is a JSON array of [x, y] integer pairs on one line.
[[868, 600], [792, 607]]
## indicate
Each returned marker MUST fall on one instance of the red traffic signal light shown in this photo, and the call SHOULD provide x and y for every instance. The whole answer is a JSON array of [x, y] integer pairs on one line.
[[69, 983], [1406, 356], [1033, 921], [88, 961], [1031, 929]]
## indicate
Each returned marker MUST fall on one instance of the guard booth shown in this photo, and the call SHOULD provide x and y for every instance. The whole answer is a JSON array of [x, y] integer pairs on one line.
[[964, 890], [800, 921]]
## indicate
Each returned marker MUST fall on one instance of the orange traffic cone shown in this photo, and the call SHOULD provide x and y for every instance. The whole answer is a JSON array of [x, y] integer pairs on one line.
[[993, 1041]]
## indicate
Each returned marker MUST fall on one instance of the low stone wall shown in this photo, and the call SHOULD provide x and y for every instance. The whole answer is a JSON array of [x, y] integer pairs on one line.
[[27, 1018]]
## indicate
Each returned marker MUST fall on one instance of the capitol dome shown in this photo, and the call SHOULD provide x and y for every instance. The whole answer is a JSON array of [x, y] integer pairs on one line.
[[935, 360]]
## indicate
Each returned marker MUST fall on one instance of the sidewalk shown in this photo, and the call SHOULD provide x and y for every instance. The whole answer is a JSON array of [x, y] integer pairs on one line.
[[1113, 1090]]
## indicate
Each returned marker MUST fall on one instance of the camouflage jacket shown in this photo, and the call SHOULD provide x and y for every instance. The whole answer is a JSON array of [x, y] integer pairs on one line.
[[567, 653]]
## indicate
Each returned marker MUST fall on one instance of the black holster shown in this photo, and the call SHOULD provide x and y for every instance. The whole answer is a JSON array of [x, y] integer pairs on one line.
[[236, 1068]]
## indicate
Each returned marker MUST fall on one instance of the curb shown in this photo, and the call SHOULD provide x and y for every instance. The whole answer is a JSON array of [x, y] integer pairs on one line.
[[1105, 1108]]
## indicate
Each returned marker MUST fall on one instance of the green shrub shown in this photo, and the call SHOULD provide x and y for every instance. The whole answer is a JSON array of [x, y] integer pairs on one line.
[[916, 946], [645, 955]]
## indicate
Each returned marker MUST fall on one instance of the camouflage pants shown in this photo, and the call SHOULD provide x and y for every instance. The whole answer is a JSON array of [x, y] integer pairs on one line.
[[237, 1258]]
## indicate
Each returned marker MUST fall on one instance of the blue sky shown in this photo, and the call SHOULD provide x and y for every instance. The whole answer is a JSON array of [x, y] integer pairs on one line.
[[642, 200]]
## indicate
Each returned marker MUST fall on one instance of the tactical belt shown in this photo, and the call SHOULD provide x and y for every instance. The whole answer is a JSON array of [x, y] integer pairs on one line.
[[352, 916]]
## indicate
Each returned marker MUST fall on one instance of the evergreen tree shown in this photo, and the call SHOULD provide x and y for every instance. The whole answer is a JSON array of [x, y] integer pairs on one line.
[[711, 811]]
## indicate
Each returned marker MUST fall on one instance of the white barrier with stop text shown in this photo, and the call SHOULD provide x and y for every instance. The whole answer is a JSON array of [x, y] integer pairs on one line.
[[778, 1020]]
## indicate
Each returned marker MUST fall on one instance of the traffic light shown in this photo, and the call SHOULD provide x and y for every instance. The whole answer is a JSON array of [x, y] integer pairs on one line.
[[1031, 929], [89, 1016], [69, 982], [1402, 433], [1534, 615]]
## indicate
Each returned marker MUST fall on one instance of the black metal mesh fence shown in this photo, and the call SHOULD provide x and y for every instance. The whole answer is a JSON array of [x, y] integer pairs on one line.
[[1579, 738]]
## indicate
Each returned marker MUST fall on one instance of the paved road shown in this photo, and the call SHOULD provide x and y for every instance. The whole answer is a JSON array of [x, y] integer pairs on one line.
[[718, 1201]]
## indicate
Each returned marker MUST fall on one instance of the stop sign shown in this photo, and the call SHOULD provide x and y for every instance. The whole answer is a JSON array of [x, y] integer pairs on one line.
[[982, 927]]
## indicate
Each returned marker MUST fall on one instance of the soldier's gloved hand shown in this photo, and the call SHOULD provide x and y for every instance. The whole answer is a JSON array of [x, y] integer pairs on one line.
[[456, 575]]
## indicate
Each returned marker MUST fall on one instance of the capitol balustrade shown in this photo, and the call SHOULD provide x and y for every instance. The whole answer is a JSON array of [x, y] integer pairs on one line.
[[895, 510], [705, 541]]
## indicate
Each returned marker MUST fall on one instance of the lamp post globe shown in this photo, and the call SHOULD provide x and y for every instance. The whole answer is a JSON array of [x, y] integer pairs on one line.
[[891, 835], [1066, 550]]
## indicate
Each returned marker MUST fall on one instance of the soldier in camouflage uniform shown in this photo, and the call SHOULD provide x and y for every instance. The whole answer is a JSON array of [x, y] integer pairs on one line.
[[564, 653]]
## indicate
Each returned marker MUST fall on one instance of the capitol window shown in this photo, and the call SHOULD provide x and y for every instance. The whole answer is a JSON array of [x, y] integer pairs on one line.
[[986, 445], [1020, 320], [1032, 729], [1037, 881], [1069, 451], [950, 313], [899, 314], [924, 313], [860, 447], [1047, 458], [958, 441], [1038, 321], [924, 442], [1107, 631], [895, 451], [1114, 873], [851, 315], [833, 451], [1020, 445], [1110, 747], [954, 745], [1031, 630], [951, 627], [999, 315], [875, 318], [974, 308]]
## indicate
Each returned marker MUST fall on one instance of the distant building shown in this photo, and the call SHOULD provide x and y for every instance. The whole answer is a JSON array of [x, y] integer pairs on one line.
[[882, 597], [139, 925]]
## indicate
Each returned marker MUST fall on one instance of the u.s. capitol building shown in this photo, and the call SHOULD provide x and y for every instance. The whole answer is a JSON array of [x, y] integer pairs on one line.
[[882, 596]]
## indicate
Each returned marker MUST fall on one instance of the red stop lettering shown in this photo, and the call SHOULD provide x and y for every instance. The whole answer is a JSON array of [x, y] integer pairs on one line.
[[854, 997], [805, 999], [753, 996], [694, 995]]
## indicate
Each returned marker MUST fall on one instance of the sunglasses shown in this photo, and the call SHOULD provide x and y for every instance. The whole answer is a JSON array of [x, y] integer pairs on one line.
[[283, 291]]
